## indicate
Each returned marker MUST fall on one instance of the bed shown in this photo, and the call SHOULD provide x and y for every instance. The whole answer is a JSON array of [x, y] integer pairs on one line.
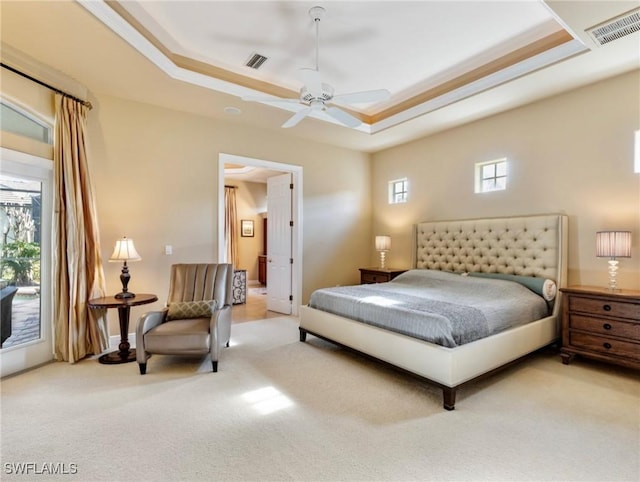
[[524, 247]]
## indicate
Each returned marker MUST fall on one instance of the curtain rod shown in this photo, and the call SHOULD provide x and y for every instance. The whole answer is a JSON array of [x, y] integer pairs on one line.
[[44, 84]]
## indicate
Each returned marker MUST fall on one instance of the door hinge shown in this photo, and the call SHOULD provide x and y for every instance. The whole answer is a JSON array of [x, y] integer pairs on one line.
[[291, 223], [290, 260], [290, 297], [291, 186]]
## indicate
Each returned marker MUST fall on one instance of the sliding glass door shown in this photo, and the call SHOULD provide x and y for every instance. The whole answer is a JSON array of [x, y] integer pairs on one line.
[[25, 274]]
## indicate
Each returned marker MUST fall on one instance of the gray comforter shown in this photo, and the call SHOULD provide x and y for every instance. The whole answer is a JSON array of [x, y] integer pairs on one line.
[[443, 308]]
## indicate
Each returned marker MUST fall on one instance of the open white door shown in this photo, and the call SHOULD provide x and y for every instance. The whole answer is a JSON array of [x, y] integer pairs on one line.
[[292, 200], [279, 252]]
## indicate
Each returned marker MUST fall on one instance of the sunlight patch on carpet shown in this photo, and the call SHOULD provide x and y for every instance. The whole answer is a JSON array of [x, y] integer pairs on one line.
[[267, 400]]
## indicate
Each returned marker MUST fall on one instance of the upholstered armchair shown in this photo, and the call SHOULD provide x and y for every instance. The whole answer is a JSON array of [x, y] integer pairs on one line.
[[197, 318]]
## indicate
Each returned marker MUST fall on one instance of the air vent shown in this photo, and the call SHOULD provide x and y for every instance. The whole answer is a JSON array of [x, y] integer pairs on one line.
[[616, 28], [256, 61]]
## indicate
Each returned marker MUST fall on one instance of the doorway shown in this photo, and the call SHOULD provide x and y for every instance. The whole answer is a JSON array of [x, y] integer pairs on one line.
[[25, 284], [295, 173]]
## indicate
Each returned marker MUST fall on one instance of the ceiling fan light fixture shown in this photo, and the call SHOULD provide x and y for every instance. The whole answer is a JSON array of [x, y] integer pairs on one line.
[[325, 95]]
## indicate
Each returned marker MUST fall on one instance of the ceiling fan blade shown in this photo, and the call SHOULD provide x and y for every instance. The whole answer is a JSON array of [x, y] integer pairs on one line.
[[343, 117], [297, 117], [364, 96], [311, 79]]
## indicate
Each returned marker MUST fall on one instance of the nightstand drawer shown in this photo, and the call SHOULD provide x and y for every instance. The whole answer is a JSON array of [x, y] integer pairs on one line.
[[604, 307], [373, 278], [604, 326], [605, 345], [378, 275]]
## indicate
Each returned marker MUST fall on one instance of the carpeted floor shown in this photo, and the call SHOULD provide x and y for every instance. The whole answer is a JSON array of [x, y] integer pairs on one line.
[[279, 409]]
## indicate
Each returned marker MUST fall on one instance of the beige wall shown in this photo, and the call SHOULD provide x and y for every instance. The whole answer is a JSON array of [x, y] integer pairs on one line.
[[572, 153], [155, 176]]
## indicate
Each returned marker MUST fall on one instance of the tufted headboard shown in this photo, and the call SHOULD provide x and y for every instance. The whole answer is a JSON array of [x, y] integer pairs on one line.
[[523, 245]]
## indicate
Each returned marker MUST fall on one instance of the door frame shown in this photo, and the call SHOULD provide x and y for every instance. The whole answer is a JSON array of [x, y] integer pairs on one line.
[[296, 212], [36, 352]]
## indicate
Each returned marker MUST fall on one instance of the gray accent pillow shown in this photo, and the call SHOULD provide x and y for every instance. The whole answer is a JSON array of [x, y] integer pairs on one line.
[[541, 286]]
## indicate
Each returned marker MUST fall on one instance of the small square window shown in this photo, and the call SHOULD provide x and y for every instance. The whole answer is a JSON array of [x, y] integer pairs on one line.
[[398, 191], [491, 176]]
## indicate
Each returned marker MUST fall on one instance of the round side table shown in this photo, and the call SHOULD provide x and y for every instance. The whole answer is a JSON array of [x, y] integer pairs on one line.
[[124, 354]]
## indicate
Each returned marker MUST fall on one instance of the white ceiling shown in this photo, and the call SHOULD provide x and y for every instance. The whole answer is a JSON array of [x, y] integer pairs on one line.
[[190, 54], [363, 45]]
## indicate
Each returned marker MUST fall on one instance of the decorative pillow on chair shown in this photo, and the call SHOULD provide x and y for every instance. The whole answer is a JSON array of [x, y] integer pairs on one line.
[[180, 310]]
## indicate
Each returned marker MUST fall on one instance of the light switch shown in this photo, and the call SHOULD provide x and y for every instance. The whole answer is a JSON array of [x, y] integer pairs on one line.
[[168, 249]]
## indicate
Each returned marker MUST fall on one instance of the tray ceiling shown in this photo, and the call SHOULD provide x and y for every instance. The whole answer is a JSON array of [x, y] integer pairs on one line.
[[445, 63]]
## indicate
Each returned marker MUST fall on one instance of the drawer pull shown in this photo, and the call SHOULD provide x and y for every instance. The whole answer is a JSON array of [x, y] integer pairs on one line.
[[607, 345], [606, 326], [606, 307]]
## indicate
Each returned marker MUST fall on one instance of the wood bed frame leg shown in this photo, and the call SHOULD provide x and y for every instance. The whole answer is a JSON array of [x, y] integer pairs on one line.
[[303, 334], [449, 398]]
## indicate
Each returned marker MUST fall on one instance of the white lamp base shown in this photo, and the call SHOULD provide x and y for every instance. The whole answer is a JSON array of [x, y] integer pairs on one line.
[[383, 255], [613, 275]]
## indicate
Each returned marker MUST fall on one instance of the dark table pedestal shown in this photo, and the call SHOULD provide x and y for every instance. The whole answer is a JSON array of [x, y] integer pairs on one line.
[[125, 353]]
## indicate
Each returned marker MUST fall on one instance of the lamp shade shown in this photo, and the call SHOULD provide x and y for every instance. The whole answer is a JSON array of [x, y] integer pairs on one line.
[[124, 251], [383, 243], [613, 244]]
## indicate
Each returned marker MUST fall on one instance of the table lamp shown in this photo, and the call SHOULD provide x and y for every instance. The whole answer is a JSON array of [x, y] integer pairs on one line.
[[613, 244], [383, 244], [124, 251]]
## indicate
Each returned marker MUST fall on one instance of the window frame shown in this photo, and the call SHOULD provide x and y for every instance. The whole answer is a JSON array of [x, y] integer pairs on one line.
[[498, 180], [35, 352], [31, 116], [636, 152], [403, 192]]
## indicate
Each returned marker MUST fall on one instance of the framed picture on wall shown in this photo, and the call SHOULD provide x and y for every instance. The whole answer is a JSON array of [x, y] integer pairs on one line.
[[246, 228]]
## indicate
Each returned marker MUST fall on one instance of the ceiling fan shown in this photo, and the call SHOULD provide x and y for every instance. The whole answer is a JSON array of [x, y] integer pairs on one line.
[[315, 95]]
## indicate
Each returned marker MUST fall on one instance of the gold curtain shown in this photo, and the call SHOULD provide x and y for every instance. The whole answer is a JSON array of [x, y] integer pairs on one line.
[[77, 264], [231, 226]]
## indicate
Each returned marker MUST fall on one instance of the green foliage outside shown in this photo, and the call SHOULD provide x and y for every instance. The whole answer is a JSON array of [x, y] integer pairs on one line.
[[20, 263]]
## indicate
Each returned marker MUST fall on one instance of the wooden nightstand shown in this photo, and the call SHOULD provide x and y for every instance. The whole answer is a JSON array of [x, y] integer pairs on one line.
[[378, 275], [601, 324]]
